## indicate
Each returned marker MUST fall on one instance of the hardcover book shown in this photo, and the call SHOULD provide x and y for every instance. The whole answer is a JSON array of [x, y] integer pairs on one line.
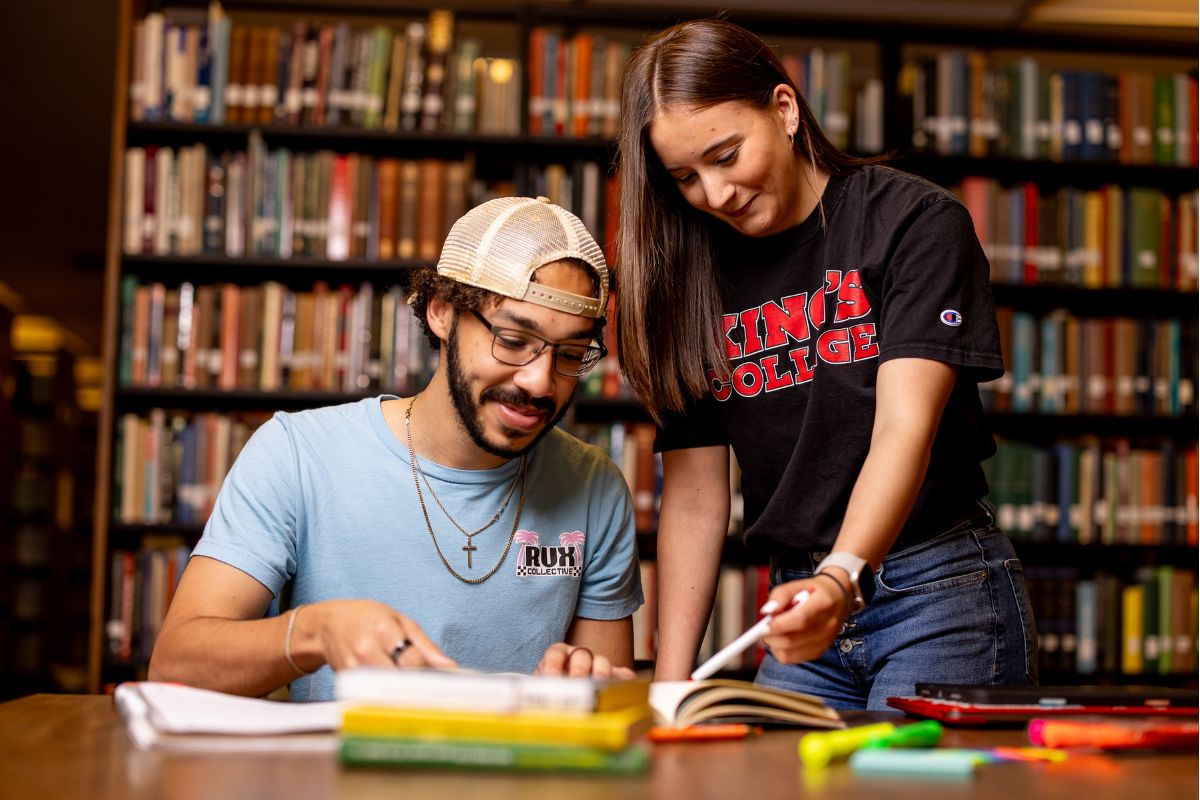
[[374, 752], [466, 690]]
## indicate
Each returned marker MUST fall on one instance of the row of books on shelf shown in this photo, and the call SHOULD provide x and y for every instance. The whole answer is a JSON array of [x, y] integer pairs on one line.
[[1096, 492], [574, 83], [574, 80], [1110, 237], [630, 445], [270, 337], [189, 66], [1061, 364], [277, 202], [966, 102], [1105, 624], [194, 67], [169, 468], [141, 585]]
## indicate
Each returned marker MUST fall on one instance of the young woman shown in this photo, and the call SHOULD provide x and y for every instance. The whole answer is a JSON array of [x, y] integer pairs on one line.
[[829, 319]]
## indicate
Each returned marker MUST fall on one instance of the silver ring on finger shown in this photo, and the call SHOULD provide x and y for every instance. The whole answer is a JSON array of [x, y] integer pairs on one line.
[[399, 648]]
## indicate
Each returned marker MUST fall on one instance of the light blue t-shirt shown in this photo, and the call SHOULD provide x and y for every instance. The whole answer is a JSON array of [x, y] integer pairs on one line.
[[326, 498]]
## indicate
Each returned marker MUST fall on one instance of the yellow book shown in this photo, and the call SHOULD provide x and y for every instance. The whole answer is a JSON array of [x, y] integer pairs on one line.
[[1131, 630], [1093, 239], [1114, 240], [610, 730]]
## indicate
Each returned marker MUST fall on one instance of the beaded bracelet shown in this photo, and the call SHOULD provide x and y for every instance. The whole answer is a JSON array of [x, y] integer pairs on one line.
[[844, 591], [287, 642]]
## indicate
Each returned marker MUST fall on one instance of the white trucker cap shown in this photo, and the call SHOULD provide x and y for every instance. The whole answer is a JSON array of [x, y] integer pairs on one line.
[[500, 244]]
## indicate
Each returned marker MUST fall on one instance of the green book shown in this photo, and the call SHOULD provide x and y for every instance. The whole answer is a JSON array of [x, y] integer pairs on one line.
[[1166, 578], [381, 54], [366, 751], [1144, 227], [1164, 119], [129, 285]]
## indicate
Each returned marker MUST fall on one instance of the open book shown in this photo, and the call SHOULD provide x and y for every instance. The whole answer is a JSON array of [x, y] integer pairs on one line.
[[682, 703], [168, 716]]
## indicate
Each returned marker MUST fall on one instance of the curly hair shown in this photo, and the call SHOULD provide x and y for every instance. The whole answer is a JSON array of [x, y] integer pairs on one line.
[[425, 285]]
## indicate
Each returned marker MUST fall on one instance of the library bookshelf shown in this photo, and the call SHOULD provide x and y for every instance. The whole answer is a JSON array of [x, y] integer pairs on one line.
[[278, 168]]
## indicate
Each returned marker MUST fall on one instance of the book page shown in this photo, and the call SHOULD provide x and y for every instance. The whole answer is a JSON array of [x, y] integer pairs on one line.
[[172, 708], [665, 697]]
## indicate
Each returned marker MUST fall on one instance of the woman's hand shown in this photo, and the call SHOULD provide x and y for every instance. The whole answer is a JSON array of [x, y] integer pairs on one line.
[[579, 662], [806, 631], [353, 633]]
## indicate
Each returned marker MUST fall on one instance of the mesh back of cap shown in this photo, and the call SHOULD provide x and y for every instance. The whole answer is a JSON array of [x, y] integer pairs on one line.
[[498, 245]]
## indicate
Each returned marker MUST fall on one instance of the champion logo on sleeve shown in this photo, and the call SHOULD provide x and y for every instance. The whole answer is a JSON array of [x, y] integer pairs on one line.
[[951, 317]]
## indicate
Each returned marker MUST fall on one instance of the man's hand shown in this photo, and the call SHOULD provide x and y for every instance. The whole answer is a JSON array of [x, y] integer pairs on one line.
[[579, 662], [353, 633]]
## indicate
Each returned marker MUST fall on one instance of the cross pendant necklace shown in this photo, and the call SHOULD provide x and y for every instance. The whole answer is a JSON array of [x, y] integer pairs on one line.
[[469, 548]]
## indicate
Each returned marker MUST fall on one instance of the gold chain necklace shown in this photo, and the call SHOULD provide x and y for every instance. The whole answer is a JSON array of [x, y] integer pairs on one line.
[[469, 548], [507, 498]]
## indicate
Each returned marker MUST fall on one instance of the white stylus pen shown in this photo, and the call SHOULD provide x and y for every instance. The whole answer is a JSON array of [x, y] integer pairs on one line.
[[734, 648]]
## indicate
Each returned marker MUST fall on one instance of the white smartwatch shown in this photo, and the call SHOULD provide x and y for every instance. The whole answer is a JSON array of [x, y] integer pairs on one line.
[[862, 578]]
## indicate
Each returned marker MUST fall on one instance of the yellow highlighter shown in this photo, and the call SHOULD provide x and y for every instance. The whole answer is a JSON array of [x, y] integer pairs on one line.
[[818, 749]]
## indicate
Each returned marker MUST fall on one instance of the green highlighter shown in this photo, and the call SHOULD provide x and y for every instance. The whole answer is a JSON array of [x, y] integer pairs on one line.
[[818, 749], [926, 733]]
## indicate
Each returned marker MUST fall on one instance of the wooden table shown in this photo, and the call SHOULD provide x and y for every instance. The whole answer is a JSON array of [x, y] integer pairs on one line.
[[58, 747]]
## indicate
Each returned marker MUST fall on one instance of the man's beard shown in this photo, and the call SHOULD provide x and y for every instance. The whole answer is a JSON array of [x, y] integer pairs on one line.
[[468, 409]]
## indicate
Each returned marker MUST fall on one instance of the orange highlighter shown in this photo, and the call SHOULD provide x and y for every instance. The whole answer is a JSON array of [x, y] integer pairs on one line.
[[702, 733], [1115, 734]]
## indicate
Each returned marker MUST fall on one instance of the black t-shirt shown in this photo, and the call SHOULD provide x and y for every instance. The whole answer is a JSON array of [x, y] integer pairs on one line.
[[896, 271]]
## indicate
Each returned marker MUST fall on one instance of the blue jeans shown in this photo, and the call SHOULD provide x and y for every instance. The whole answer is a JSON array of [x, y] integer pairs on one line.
[[952, 609]]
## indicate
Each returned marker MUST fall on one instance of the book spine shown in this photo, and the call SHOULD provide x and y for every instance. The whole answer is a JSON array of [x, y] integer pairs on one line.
[[367, 751], [433, 101]]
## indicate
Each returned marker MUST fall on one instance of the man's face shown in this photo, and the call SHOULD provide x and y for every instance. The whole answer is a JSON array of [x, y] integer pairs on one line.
[[507, 409]]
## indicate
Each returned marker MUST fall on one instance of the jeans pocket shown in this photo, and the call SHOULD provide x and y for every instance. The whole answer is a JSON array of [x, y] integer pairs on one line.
[[947, 563], [938, 585]]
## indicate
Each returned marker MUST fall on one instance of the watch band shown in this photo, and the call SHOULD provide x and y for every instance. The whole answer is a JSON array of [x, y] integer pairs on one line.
[[862, 579]]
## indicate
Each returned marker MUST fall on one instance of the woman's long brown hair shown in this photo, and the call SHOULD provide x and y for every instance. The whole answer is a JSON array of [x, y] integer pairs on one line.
[[669, 299]]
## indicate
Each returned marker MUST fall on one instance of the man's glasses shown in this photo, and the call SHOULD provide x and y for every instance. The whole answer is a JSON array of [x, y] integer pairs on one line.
[[518, 348]]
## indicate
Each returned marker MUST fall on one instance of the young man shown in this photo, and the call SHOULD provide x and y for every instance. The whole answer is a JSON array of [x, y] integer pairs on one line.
[[458, 526]]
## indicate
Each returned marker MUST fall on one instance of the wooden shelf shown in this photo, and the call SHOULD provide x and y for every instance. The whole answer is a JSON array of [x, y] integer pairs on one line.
[[604, 410], [298, 271], [1049, 427], [1067, 678], [130, 399], [444, 144], [1115, 558], [523, 147], [1083, 302], [130, 536], [1048, 174]]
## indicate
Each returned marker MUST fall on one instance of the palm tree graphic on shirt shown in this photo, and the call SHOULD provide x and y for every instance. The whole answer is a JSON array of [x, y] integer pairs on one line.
[[573, 539]]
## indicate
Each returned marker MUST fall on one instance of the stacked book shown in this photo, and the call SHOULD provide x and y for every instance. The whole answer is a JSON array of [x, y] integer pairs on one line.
[[467, 720]]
